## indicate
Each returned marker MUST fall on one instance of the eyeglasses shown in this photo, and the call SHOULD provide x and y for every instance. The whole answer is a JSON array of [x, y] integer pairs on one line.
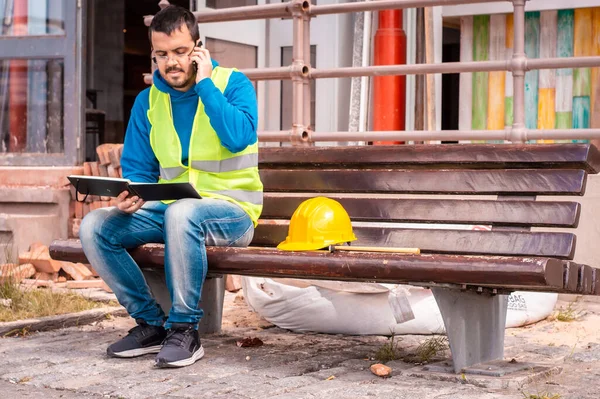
[[177, 57]]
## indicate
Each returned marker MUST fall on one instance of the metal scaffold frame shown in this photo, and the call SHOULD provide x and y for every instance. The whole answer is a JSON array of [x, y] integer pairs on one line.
[[300, 72]]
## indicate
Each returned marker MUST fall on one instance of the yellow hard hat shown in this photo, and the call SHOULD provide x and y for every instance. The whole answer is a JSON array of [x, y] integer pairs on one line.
[[317, 223]]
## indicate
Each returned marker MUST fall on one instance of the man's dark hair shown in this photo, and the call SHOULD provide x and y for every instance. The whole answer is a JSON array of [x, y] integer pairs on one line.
[[172, 18]]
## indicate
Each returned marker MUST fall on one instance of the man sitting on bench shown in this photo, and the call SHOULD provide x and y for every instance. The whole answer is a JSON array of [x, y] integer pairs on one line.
[[197, 124]]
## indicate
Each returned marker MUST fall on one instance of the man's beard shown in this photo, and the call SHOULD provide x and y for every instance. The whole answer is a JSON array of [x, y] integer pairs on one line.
[[173, 83]]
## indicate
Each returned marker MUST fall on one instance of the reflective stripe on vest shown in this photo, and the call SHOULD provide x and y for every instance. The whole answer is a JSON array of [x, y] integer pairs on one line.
[[171, 173], [253, 197], [227, 165], [213, 170]]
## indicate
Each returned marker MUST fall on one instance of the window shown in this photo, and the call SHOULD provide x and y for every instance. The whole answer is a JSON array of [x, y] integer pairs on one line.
[[41, 101], [286, 89], [23, 19], [31, 106]]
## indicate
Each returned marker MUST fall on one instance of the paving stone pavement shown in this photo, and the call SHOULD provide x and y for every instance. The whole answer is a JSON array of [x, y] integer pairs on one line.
[[71, 363]]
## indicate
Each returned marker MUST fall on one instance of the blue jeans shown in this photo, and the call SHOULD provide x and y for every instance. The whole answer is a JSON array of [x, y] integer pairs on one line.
[[185, 227]]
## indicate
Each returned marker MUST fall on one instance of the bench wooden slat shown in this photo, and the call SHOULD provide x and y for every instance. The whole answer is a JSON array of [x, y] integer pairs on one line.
[[390, 268], [470, 156], [270, 233], [519, 181], [596, 284], [586, 278], [573, 279], [408, 210]]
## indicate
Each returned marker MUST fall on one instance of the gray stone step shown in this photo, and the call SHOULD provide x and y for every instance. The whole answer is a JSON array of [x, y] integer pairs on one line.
[[34, 200], [18, 232]]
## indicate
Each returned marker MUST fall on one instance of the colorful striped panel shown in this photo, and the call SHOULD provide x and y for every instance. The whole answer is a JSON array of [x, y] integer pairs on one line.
[[481, 33], [547, 81], [496, 79], [508, 84], [564, 77], [466, 78], [532, 49], [595, 92], [581, 113], [582, 77]]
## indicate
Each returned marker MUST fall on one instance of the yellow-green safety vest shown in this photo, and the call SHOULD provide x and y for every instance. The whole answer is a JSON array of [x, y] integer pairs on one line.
[[212, 169]]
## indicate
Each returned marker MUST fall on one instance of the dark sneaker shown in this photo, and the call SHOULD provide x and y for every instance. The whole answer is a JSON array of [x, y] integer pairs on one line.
[[181, 348], [142, 339]]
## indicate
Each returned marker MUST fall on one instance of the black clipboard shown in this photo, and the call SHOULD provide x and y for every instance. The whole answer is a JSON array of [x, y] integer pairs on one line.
[[164, 191], [112, 187]]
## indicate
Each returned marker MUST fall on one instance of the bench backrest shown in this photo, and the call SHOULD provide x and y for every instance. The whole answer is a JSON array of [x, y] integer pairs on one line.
[[390, 191]]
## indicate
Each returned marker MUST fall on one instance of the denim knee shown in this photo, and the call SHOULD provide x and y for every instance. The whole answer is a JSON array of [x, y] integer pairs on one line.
[[91, 225], [182, 212]]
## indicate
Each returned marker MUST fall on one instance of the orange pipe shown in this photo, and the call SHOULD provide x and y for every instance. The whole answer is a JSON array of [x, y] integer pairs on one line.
[[18, 86], [389, 92]]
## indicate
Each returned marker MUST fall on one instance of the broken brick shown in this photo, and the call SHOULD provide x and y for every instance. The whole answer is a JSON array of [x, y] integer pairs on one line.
[[13, 272], [40, 259], [103, 170], [233, 283], [84, 270], [74, 227], [78, 210], [37, 283], [112, 171], [106, 288], [87, 169], [72, 270], [94, 167], [96, 283], [72, 209], [115, 156], [46, 276], [86, 209], [381, 370], [91, 269]]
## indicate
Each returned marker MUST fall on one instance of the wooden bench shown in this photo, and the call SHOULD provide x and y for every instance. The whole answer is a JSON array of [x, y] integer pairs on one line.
[[470, 271]]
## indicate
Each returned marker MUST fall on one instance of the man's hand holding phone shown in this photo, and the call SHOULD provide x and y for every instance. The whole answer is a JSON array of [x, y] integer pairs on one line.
[[201, 57]]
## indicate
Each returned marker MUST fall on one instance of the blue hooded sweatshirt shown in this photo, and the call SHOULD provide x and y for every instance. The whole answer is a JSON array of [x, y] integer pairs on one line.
[[233, 115]]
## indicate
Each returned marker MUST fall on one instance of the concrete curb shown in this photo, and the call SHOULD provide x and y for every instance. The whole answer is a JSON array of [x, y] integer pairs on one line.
[[60, 321]]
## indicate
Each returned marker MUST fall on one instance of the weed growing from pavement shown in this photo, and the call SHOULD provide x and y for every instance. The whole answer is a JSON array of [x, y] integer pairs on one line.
[[567, 315], [429, 349], [388, 351]]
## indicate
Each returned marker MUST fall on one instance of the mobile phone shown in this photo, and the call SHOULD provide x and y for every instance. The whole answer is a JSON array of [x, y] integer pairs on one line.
[[199, 44]]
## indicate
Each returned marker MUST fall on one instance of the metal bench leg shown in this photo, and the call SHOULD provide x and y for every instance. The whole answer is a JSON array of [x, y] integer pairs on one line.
[[213, 294], [474, 323]]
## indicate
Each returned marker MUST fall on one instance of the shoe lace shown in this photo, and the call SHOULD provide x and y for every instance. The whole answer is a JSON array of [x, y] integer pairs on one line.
[[139, 330], [176, 337]]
